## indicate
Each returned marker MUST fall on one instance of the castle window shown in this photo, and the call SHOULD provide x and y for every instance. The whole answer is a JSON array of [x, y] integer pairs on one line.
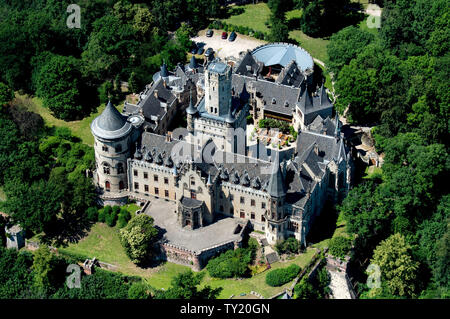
[[263, 205], [121, 186], [192, 181], [193, 195], [145, 175], [215, 110], [156, 190], [107, 186], [106, 169], [118, 148], [242, 214], [231, 211], [166, 180], [136, 186], [166, 193], [252, 202], [135, 172], [146, 188], [120, 168], [252, 216], [263, 219], [155, 178], [242, 201], [221, 208], [105, 148]]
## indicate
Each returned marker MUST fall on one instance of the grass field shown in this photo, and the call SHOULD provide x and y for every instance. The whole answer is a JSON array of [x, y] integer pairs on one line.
[[79, 128], [103, 243], [255, 15]]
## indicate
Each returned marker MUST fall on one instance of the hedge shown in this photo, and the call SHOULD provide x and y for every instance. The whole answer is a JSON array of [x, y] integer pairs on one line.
[[221, 25], [279, 277]]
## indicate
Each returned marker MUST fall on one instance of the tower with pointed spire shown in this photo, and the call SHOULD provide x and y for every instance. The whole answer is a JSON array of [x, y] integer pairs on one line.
[[113, 136], [276, 219]]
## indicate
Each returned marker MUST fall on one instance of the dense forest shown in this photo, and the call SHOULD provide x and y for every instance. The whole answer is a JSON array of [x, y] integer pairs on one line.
[[397, 81], [394, 80]]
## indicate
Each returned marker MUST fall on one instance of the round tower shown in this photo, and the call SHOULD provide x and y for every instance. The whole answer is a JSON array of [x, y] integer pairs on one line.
[[112, 134]]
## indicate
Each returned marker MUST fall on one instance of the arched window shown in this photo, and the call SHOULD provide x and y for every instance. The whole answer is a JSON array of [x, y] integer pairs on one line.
[[120, 168], [106, 169], [107, 186], [121, 186]]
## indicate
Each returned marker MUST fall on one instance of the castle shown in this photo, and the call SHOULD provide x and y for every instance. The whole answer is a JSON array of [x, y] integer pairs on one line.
[[208, 170]]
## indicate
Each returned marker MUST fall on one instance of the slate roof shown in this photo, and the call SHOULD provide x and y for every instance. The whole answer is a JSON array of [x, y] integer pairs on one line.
[[310, 103], [190, 202], [153, 106], [291, 75], [276, 186], [110, 124]]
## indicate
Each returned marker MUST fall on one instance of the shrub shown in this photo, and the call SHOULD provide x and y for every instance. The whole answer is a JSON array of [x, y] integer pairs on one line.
[[279, 277], [111, 218], [290, 245], [232, 263], [92, 214], [339, 246], [139, 290], [101, 215]]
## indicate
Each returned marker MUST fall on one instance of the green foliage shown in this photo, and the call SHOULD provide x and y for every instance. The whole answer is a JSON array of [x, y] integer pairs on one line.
[[6, 94], [339, 246], [111, 218], [92, 214], [185, 286], [288, 246], [345, 45], [305, 290], [272, 123], [138, 237], [232, 263], [139, 290], [398, 269], [281, 276]]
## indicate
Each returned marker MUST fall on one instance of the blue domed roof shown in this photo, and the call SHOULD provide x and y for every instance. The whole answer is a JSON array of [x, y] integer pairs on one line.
[[282, 54]]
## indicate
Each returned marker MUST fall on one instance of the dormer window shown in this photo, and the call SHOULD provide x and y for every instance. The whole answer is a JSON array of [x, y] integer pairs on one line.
[[274, 101]]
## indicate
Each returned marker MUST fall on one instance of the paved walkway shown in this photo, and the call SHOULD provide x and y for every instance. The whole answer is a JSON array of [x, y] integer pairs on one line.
[[164, 214], [338, 285]]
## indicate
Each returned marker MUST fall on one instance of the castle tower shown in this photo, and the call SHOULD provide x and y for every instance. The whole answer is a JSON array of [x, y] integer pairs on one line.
[[276, 215], [218, 88], [113, 136], [191, 111]]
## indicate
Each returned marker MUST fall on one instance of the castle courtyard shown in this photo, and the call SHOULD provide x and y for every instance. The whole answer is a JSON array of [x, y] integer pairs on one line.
[[216, 234]]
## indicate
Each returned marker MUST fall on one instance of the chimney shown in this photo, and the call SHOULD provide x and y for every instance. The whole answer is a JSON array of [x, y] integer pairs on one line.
[[155, 92], [316, 149]]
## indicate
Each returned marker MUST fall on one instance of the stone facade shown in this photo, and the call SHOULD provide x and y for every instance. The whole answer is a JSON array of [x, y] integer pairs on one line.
[[280, 196]]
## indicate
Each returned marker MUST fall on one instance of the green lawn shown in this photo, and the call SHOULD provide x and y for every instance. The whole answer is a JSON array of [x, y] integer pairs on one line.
[[103, 243], [79, 128], [254, 16], [256, 283]]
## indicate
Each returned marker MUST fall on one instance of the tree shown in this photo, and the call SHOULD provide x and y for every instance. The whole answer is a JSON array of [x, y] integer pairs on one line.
[[43, 266], [138, 237], [59, 83], [139, 290], [184, 286], [35, 207], [279, 31], [345, 45], [305, 290], [339, 246], [397, 267], [6, 94]]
